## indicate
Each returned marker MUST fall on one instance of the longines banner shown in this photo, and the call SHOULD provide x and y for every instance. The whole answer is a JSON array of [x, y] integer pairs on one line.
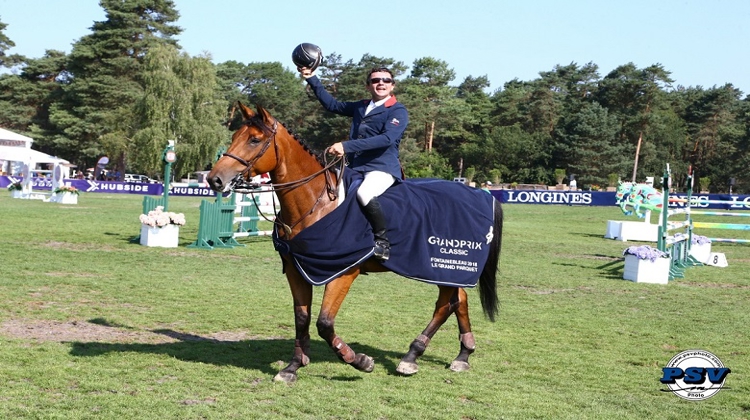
[[594, 198], [570, 198]]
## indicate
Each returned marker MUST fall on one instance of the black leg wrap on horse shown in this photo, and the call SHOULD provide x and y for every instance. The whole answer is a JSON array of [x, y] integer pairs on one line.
[[374, 214], [419, 345]]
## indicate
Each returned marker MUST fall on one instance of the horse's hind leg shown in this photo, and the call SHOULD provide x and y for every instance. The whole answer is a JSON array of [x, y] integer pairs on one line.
[[465, 336], [449, 301], [302, 297], [333, 297]]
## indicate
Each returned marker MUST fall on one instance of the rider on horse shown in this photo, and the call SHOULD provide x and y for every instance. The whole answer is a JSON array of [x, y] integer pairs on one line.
[[378, 125]]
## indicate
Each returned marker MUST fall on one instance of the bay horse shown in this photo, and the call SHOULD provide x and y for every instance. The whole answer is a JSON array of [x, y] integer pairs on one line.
[[306, 189]]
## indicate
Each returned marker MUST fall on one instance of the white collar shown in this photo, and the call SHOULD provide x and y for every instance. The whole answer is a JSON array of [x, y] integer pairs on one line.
[[372, 105]]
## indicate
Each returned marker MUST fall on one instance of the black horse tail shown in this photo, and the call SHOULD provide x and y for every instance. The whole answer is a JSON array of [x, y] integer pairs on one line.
[[488, 278]]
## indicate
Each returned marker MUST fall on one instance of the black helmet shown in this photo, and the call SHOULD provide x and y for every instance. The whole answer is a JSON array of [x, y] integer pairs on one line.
[[307, 55]]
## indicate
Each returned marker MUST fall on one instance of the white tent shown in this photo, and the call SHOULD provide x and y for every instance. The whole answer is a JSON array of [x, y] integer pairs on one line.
[[15, 138], [22, 154], [17, 148]]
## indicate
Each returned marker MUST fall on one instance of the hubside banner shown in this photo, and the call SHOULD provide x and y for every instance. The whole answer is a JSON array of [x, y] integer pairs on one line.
[[113, 187]]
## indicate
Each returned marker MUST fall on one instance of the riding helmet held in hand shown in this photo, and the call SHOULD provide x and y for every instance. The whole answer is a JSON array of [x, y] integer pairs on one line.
[[307, 55]]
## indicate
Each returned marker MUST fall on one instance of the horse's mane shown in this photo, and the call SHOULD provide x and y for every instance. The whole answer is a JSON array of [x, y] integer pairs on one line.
[[257, 121]]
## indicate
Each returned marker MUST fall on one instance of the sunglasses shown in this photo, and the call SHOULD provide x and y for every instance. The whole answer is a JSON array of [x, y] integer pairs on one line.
[[376, 80]]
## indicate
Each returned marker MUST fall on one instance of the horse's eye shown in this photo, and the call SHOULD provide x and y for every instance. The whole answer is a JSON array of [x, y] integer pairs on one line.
[[254, 140]]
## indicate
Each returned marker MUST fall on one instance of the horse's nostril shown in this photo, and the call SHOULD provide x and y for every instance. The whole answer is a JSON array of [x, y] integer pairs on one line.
[[215, 183]]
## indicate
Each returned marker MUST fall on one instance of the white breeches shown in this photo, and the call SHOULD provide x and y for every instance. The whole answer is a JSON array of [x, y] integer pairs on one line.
[[374, 184]]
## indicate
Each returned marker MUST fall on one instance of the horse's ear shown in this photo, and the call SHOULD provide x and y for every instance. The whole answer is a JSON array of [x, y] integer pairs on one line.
[[247, 113], [267, 118]]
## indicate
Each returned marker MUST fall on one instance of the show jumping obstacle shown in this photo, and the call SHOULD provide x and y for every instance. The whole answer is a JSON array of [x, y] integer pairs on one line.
[[724, 226], [681, 246], [673, 237], [677, 245], [217, 219]]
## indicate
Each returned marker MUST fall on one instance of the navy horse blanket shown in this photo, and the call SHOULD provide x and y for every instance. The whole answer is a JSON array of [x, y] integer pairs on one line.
[[440, 233]]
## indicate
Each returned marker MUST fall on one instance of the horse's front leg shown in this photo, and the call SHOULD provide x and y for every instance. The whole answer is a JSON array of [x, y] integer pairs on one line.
[[448, 302], [333, 297], [302, 297]]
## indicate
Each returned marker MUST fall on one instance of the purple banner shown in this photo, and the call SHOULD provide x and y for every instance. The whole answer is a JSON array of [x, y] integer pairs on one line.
[[112, 187]]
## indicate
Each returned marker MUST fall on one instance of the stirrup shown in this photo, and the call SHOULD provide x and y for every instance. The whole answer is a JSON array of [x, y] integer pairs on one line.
[[382, 250]]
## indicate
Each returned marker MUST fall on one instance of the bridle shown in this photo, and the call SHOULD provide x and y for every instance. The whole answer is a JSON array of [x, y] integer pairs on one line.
[[240, 184]]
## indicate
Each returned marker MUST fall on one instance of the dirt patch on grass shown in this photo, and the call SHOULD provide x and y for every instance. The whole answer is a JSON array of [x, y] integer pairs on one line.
[[76, 247], [89, 332]]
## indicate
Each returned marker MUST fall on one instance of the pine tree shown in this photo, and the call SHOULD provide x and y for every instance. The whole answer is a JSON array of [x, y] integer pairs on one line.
[[103, 85]]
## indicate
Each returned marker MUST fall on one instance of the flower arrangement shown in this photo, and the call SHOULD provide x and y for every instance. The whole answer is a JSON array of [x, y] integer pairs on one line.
[[16, 186], [66, 189], [645, 252], [700, 240], [160, 218], [695, 240]]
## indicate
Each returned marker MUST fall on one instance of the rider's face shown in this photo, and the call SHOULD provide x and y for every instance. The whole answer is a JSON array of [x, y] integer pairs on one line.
[[380, 85]]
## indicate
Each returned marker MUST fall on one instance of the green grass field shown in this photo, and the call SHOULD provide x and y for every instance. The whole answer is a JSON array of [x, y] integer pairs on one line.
[[93, 326]]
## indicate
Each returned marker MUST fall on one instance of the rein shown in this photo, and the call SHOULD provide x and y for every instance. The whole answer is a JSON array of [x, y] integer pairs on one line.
[[240, 185]]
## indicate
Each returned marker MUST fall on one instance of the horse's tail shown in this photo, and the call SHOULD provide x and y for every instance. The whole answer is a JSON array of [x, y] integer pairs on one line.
[[488, 278]]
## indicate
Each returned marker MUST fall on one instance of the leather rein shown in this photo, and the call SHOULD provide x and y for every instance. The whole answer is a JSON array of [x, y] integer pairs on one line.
[[240, 185]]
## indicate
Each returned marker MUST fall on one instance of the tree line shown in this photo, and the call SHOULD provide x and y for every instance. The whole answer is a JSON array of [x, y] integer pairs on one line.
[[126, 88]]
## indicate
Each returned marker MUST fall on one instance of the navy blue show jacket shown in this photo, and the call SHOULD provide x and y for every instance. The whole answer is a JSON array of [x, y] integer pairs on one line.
[[373, 138]]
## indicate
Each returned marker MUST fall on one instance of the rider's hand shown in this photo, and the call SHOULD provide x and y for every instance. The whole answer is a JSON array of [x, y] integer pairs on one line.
[[305, 72], [336, 149]]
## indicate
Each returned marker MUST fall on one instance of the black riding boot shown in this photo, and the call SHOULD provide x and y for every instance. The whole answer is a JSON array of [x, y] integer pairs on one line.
[[374, 213]]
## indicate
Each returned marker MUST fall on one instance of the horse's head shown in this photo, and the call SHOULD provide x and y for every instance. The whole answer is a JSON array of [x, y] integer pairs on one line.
[[253, 150]]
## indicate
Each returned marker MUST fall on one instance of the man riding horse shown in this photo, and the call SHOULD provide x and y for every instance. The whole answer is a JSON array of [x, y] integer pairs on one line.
[[378, 125]]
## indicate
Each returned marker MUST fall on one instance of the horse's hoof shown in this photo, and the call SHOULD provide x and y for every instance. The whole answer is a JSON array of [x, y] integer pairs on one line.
[[364, 362], [285, 377], [407, 368], [459, 366]]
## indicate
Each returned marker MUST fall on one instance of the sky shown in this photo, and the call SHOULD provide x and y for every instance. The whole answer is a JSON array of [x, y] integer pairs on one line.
[[702, 43]]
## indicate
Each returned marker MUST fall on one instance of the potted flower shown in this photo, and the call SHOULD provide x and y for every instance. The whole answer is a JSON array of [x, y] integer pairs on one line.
[[700, 248], [161, 228], [645, 264], [612, 181], [16, 189], [65, 194], [559, 176], [704, 182]]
